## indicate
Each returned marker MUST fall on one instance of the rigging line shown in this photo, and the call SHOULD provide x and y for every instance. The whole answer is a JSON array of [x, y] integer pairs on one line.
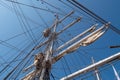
[[9, 45], [74, 60], [64, 67], [41, 35], [52, 76], [71, 56], [71, 67], [73, 17], [60, 67], [4, 5], [57, 8], [27, 24], [9, 52], [68, 32], [21, 48], [83, 59], [18, 35], [67, 64], [79, 7], [40, 38], [49, 4], [10, 8], [62, 62], [40, 16], [85, 53], [15, 58], [5, 62], [10, 62], [26, 21], [18, 64], [2, 60], [51, 11], [17, 44], [22, 67], [18, 17], [56, 45], [62, 41], [31, 32], [95, 16], [88, 19], [30, 52]]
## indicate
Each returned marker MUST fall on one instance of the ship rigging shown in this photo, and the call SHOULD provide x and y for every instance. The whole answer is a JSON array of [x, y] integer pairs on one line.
[[56, 40]]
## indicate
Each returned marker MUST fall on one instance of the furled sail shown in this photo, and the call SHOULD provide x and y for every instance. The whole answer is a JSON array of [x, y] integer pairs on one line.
[[92, 38], [84, 41]]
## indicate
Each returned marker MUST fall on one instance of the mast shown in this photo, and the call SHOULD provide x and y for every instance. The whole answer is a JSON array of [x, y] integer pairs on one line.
[[48, 54], [47, 62], [43, 71], [43, 61]]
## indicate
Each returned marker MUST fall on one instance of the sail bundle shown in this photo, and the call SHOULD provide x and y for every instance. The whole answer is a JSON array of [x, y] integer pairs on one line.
[[84, 41]]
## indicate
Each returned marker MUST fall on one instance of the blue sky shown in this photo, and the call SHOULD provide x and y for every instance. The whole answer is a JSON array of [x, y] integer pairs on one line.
[[107, 9], [10, 26]]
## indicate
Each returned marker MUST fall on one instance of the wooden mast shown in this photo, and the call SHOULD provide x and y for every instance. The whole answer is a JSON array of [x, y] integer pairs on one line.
[[43, 72]]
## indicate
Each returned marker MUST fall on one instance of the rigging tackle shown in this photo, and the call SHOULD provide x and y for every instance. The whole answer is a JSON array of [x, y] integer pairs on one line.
[[44, 62]]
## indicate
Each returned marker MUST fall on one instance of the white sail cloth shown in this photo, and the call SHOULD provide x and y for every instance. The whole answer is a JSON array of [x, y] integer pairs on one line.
[[84, 41], [92, 38]]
